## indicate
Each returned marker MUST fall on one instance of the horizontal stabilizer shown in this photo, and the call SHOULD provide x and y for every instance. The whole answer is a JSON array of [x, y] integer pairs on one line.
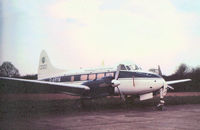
[[178, 81], [15, 85]]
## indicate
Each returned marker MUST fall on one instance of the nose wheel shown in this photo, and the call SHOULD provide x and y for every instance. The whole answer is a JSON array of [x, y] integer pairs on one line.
[[160, 106]]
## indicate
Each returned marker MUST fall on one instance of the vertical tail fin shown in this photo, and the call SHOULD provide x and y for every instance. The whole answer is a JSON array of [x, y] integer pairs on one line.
[[46, 69]]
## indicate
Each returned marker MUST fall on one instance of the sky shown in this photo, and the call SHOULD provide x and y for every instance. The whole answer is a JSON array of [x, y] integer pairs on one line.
[[85, 33]]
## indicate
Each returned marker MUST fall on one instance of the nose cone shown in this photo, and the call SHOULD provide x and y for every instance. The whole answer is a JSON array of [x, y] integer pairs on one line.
[[159, 83]]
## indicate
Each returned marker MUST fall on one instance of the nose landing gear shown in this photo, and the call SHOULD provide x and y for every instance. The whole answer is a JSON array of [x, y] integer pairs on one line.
[[160, 106]]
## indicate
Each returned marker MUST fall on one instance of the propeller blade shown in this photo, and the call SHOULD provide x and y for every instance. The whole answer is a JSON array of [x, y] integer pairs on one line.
[[116, 83], [170, 87], [121, 94], [117, 72]]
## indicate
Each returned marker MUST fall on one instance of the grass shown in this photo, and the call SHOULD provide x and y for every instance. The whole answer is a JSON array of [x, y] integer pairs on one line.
[[10, 109]]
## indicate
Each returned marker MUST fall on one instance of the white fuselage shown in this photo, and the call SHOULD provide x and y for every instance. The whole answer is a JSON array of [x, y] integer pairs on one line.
[[128, 85], [139, 85]]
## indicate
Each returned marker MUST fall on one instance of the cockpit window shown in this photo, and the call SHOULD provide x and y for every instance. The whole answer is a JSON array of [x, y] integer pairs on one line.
[[136, 67], [131, 67], [128, 68], [123, 67]]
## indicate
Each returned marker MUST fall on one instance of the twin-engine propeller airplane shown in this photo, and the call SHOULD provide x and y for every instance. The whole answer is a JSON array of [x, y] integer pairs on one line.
[[123, 80]]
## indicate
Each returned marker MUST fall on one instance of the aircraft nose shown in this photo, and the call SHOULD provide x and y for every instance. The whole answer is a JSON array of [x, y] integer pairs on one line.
[[159, 83]]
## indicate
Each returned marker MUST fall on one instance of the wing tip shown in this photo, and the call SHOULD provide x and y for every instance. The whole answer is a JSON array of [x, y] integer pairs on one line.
[[178, 81], [86, 88]]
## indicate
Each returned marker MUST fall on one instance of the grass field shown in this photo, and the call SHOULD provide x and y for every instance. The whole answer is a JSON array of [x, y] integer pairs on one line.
[[24, 108], [41, 97]]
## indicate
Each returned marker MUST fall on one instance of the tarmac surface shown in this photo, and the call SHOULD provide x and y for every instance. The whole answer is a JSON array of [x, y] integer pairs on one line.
[[184, 117]]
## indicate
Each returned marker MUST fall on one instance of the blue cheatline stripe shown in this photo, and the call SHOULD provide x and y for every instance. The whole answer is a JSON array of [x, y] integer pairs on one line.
[[122, 74]]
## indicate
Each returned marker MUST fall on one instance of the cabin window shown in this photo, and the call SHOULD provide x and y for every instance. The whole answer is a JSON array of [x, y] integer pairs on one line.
[[65, 78], [110, 74], [99, 76], [92, 76], [72, 78], [77, 77], [84, 77]]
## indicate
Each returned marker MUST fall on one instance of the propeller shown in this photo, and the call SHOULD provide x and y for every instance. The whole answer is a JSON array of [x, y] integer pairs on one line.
[[170, 87], [115, 82], [159, 70], [163, 92]]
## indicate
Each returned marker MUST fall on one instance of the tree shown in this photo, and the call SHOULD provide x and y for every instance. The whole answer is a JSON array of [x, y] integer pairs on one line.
[[182, 70], [33, 76], [7, 69]]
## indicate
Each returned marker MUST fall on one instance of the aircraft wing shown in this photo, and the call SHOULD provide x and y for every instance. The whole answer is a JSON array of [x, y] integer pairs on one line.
[[177, 81], [15, 85]]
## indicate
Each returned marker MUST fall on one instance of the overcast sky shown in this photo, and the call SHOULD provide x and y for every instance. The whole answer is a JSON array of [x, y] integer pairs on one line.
[[83, 33]]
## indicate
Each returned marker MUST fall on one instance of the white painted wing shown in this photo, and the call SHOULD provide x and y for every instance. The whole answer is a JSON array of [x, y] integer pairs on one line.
[[177, 81], [15, 85]]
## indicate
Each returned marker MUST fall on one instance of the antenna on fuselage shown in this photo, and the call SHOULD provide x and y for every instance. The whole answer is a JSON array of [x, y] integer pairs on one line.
[[159, 70], [102, 64]]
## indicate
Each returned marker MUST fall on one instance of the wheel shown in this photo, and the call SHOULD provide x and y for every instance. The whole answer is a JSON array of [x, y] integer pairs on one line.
[[160, 107]]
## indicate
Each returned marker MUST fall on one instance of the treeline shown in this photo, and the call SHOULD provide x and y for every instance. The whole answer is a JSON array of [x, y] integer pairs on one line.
[[7, 69], [184, 72], [33, 76]]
